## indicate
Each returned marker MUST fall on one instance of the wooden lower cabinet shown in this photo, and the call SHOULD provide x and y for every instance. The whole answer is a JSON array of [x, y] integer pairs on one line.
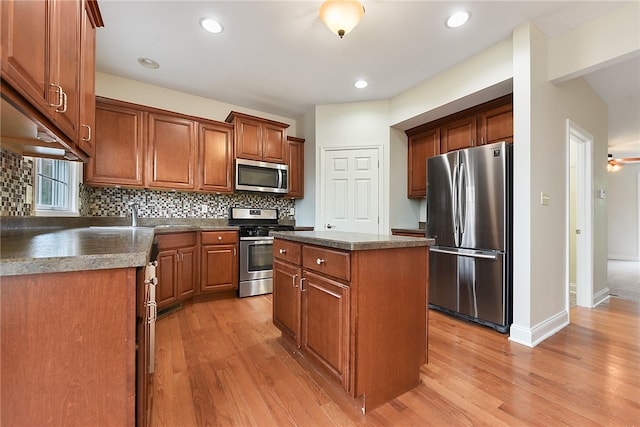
[[177, 268], [359, 315], [325, 324], [219, 261], [68, 348], [286, 299]]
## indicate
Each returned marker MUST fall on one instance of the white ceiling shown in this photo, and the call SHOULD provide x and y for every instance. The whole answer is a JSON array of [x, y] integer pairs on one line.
[[278, 57]]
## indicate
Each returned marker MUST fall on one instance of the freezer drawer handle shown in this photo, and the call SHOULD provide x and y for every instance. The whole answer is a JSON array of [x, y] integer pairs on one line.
[[483, 255]]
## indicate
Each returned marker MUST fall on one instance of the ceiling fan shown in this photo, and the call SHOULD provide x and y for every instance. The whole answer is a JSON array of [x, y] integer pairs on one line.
[[614, 165]]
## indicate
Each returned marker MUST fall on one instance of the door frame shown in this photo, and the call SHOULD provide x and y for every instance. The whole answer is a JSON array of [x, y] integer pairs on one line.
[[321, 209], [584, 214]]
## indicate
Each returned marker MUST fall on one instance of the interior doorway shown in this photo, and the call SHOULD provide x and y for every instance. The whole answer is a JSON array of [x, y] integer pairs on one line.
[[350, 191], [579, 216]]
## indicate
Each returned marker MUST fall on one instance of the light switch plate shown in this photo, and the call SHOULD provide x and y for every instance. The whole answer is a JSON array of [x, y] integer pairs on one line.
[[205, 209], [544, 199]]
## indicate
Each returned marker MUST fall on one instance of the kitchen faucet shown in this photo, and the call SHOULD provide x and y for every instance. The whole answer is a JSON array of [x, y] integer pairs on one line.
[[134, 214]]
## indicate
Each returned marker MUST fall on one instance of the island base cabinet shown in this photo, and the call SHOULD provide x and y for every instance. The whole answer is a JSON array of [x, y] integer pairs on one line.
[[68, 348], [286, 300], [360, 315], [325, 324]]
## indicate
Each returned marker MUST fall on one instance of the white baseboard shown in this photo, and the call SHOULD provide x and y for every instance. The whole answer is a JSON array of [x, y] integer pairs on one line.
[[622, 258], [531, 337], [601, 296]]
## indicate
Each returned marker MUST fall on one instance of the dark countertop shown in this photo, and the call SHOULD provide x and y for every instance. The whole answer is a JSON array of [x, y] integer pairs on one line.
[[352, 241], [51, 248]]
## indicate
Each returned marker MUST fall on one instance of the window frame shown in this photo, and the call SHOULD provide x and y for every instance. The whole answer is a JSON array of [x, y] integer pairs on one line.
[[73, 183]]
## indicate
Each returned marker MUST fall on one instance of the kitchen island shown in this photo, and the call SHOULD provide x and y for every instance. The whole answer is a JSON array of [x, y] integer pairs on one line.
[[356, 306]]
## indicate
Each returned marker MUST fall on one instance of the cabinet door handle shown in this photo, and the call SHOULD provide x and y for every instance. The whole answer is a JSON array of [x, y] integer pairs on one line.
[[234, 251], [330, 226], [282, 251], [301, 282], [58, 92], [320, 261], [64, 103], [88, 138], [293, 281]]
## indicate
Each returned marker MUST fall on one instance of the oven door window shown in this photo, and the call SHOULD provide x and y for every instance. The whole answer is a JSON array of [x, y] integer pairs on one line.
[[260, 257]]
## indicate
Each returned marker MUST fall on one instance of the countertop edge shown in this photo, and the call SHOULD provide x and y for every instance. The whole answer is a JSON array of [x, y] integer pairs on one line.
[[353, 241]]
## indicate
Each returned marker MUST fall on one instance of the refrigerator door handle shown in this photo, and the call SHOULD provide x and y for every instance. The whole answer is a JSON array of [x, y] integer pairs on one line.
[[462, 198], [454, 200], [466, 252]]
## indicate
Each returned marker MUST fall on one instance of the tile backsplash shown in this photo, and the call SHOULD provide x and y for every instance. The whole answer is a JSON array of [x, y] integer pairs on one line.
[[173, 204], [17, 186]]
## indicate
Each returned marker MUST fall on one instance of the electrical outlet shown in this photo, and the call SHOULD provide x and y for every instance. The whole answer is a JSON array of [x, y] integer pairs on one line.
[[205, 209], [292, 211]]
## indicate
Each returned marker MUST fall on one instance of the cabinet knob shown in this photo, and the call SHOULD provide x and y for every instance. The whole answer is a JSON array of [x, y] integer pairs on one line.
[[219, 237], [282, 251], [320, 261]]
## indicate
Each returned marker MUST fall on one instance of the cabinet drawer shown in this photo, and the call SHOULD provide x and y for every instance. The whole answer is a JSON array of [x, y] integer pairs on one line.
[[176, 240], [286, 251], [327, 261], [219, 237]]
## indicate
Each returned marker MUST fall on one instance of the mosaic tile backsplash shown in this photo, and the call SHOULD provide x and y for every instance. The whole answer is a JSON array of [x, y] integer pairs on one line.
[[172, 204], [17, 183]]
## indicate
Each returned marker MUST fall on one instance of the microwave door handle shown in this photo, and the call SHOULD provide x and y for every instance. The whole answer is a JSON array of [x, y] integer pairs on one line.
[[280, 178]]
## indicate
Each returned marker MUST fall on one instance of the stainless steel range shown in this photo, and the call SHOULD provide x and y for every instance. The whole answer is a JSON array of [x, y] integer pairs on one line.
[[256, 256]]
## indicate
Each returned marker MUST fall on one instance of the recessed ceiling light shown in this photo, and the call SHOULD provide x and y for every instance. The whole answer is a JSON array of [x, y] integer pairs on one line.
[[458, 19], [149, 63], [211, 25], [361, 84]]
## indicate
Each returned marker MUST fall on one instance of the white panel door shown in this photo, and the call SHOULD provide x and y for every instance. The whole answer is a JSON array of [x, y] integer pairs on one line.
[[351, 190]]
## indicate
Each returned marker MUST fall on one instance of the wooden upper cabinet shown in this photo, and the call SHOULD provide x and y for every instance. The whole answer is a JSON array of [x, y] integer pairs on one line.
[[458, 134], [422, 145], [295, 156], [87, 122], [26, 28], [65, 65], [119, 146], [215, 156], [496, 124], [274, 145], [48, 59], [259, 139], [171, 152]]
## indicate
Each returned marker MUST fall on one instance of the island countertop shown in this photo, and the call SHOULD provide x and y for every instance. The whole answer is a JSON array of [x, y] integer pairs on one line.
[[350, 241]]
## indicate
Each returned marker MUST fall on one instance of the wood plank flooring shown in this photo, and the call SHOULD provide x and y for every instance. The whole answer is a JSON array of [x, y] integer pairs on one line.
[[224, 363]]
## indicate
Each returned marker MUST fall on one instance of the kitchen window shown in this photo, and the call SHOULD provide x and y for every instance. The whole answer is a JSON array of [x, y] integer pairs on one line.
[[56, 187]]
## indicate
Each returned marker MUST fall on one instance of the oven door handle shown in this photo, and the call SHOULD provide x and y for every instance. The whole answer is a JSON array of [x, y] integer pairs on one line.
[[259, 243], [265, 239]]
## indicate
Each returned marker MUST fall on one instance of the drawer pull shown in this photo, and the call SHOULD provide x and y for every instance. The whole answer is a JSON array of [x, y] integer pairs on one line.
[[219, 237], [320, 261], [282, 251]]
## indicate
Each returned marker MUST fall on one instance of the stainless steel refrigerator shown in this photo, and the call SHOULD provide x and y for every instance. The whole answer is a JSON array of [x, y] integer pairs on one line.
[[469, 213]]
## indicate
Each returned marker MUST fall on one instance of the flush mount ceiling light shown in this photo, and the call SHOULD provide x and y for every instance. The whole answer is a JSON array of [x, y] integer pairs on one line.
[[211, 25], [458, 19], [341, 16], [361, 84], [149, 63]]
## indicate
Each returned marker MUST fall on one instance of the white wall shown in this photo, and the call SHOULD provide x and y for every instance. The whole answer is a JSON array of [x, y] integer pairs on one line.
[[356, 125], [623, 208], [540, 165], [136, 92], [306, 207]]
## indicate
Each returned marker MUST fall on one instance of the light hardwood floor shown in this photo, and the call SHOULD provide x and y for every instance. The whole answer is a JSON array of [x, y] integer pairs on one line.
[[224, 363]]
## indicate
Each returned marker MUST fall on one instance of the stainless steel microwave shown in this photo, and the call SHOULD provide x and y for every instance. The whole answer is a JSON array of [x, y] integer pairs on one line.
[[261, 177]]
